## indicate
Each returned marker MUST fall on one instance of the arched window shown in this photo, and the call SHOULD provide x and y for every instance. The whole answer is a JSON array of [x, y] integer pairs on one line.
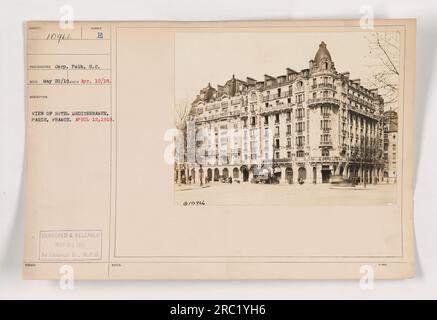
[[325, 153]]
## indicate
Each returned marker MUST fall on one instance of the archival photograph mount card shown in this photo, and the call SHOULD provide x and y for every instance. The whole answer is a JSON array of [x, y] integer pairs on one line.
[[220, 150]]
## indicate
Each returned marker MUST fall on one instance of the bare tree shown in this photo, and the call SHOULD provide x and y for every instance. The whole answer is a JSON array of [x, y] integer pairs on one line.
[[182, 110], [384, 55]]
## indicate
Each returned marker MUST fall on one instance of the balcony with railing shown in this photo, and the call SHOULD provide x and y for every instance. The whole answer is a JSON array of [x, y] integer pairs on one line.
[[323, 100], [271, 96], [283, 160], [326, 143], [274, 96], [361, 101], [276, 108], [327, 86], [244, 114], [219, 115], [286, 94], [363, 112], [324, 159], [300, 146]]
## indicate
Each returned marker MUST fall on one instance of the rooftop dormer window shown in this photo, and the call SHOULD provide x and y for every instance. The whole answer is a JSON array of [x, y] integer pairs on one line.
[[299, 85]]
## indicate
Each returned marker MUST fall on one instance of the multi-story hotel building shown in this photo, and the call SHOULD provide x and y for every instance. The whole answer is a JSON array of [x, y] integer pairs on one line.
[[311, 124]]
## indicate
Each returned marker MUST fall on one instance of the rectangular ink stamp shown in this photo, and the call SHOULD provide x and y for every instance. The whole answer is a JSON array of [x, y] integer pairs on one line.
[[70, 245]]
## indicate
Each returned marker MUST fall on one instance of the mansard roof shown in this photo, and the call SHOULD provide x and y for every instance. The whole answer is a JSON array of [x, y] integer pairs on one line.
[[235, 86], [322, 54]]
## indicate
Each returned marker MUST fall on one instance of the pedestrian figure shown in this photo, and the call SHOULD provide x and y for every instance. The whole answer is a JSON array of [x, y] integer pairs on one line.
[[201, 176]]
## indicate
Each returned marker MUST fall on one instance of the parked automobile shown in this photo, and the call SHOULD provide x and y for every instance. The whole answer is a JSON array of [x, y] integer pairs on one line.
[[265, 179], [226, 180]]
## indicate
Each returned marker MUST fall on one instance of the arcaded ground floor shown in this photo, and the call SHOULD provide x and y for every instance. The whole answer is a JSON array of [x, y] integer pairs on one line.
[[290, 173], [218, 193]]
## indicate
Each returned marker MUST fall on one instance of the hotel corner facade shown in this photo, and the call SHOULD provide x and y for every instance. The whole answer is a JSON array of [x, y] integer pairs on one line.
[[309, 125], [390, 120]]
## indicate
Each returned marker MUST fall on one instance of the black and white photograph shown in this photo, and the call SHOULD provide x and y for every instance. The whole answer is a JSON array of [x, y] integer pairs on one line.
[[287, 118]]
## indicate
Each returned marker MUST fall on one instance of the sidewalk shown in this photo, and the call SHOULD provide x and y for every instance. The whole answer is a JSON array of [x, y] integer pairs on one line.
[[357, 187], [185, 187], [286, 194]]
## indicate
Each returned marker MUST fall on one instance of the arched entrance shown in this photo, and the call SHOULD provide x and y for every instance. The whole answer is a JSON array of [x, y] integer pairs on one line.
[[216, 174], [235, 173], [183, 178], [326, 174], [354, 172], [341, 170], [289, 175], [193, 175], [225, 173], [314, 175], [209, 174], [245, 173], [302, 173], [277, 172]]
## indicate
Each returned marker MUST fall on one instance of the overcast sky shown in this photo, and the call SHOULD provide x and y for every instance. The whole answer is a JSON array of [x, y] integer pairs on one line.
[[214, 57]]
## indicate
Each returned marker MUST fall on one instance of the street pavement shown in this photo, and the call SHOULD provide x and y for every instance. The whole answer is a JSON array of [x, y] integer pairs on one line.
[[283, 194]]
